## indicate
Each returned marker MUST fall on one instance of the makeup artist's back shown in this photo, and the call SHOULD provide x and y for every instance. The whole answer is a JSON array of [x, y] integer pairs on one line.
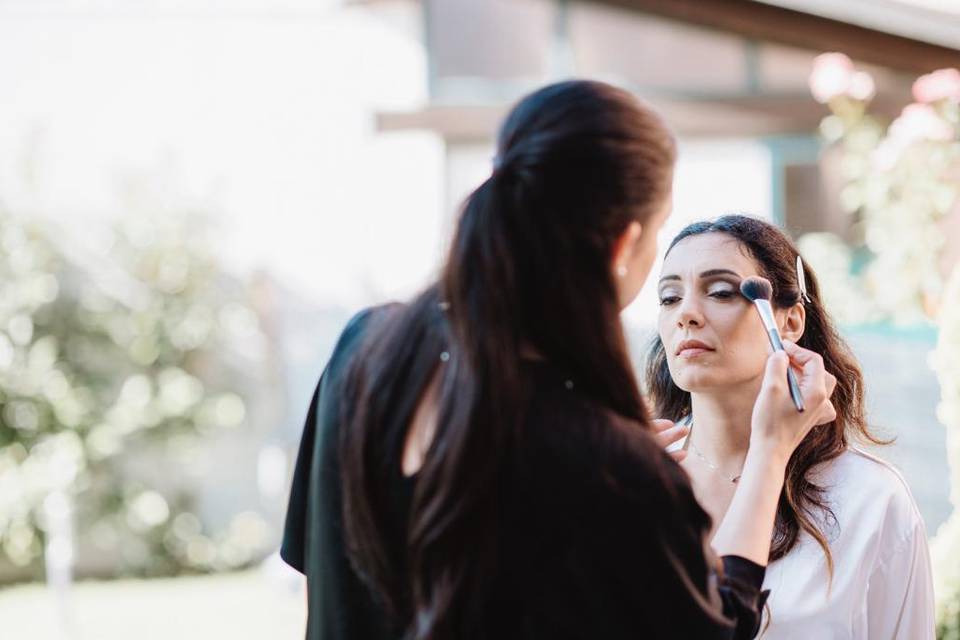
[[541, 506], [599, 535]]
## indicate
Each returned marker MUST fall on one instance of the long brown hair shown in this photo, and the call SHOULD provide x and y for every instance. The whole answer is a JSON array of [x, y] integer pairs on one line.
[[803, 505], [528, 270]]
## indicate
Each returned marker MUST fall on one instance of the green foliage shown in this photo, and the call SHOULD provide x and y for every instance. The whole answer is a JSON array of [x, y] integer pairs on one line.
[[118, 355]]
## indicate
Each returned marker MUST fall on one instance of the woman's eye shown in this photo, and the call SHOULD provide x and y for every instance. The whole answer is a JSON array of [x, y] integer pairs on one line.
[[722, 295], [668, 300]]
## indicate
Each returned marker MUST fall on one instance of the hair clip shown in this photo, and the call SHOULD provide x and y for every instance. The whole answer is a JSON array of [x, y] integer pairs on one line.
[[802, 281]]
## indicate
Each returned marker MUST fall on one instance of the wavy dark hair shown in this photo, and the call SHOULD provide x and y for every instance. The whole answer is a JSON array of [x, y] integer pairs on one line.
[[802, 505], [528, 271]]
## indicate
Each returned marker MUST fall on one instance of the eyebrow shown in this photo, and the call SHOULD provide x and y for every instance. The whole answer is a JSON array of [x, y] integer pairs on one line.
[[709, 273]]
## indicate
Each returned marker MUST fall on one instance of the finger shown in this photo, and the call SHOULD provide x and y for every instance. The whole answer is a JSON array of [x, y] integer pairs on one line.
[[809, 368], [679, 455], [661, 424], [832, 415], [827, 414], [799, 355], [831, 383], [674, 434], [813, 380], [775, 375]]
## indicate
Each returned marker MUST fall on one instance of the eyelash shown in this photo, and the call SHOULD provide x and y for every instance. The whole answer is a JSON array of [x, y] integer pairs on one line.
[[719, 295]]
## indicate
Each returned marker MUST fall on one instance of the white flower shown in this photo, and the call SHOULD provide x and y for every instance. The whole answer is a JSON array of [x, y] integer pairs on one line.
[[832, 76], [920, 122], [862, 87]]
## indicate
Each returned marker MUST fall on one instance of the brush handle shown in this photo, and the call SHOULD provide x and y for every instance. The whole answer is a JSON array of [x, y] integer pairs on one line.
[[791, 378]]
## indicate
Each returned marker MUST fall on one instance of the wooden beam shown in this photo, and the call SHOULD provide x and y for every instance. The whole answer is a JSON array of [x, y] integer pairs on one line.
[[747, 116], [460, 123], [761, 21]]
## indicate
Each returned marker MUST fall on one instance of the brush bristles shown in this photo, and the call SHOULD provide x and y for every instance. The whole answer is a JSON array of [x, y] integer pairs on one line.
[[756, 288]]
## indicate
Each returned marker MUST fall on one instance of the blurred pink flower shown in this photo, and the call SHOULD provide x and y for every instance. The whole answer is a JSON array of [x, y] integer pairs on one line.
[[831, 76], [862, 86], [917, 122], [920, 122], [939, 85]]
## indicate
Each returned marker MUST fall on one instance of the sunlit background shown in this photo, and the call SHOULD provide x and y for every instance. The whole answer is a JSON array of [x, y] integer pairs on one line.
[[196, 195]]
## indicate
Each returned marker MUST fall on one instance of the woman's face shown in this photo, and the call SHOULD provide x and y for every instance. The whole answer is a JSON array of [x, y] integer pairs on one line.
[[642, 254], [712, 335]]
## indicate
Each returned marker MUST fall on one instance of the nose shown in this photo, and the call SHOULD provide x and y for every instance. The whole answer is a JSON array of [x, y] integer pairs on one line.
[[690, 314]]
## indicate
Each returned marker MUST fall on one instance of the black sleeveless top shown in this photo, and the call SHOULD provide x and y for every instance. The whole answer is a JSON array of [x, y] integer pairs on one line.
[[596, 542]]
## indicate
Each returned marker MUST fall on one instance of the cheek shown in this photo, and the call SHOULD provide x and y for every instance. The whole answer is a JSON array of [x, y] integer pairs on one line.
[[750, 359], [649, 257], [666, 326], [646, 254], [665, 329], [663, 324], [746, 347], [640, 268]]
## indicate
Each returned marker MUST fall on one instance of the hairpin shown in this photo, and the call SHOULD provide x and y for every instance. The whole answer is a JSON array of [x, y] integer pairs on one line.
[[802, 281]]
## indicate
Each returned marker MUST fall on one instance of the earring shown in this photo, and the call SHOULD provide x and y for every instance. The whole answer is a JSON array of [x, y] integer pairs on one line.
[[802, 281], [621, 271]]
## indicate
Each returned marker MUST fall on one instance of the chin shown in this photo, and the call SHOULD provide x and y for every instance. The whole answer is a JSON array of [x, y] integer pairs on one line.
[[696, 379], [693, 379]]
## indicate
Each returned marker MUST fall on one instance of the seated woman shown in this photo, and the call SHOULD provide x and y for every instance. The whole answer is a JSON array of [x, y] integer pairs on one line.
[[849, 554]]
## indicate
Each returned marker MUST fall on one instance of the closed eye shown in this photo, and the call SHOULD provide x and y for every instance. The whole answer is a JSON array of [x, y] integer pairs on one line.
[[723, 295], [666, 301]]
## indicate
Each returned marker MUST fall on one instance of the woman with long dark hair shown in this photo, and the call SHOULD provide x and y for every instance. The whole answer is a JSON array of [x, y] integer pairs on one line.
[[479, 463], [848, 554]]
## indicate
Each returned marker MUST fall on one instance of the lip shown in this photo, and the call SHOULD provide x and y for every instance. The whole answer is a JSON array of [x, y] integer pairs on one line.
[[692, 348]]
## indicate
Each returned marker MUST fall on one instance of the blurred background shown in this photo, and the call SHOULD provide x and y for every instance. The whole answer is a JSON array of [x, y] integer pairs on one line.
[[196, 195]]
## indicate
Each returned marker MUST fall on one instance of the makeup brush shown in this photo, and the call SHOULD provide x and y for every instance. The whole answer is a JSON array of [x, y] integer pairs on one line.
[[758, 291]]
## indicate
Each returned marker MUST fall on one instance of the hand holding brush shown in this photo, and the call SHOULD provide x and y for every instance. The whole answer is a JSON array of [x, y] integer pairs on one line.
[[758, 290]]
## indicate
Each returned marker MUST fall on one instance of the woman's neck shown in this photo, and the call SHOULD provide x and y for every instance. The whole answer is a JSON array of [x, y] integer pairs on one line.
[[721, 424]]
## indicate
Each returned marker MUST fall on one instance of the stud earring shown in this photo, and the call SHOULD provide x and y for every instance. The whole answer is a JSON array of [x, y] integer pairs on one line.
[[621, 271]]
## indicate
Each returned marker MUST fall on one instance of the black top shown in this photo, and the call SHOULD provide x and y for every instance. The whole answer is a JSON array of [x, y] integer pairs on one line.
[[596, 541]]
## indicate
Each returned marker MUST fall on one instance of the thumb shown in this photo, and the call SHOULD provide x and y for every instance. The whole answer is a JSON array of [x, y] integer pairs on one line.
[[661, 424], [776, 371]]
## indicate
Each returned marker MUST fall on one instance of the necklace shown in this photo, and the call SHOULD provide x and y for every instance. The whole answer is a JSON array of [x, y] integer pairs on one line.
[[715, 468]]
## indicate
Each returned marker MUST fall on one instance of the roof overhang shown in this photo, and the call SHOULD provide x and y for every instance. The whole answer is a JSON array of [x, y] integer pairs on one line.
[[783, 21]]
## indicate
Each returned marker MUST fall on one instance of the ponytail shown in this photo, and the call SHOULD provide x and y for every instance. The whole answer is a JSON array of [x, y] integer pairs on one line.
[[527, 277], [456, 503]]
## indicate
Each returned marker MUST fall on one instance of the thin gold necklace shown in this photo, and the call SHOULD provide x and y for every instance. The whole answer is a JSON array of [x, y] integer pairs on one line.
[[715, 468]]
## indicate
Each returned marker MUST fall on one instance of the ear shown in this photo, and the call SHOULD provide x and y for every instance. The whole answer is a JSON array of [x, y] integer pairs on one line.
[[624, 247], [793, 321]]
